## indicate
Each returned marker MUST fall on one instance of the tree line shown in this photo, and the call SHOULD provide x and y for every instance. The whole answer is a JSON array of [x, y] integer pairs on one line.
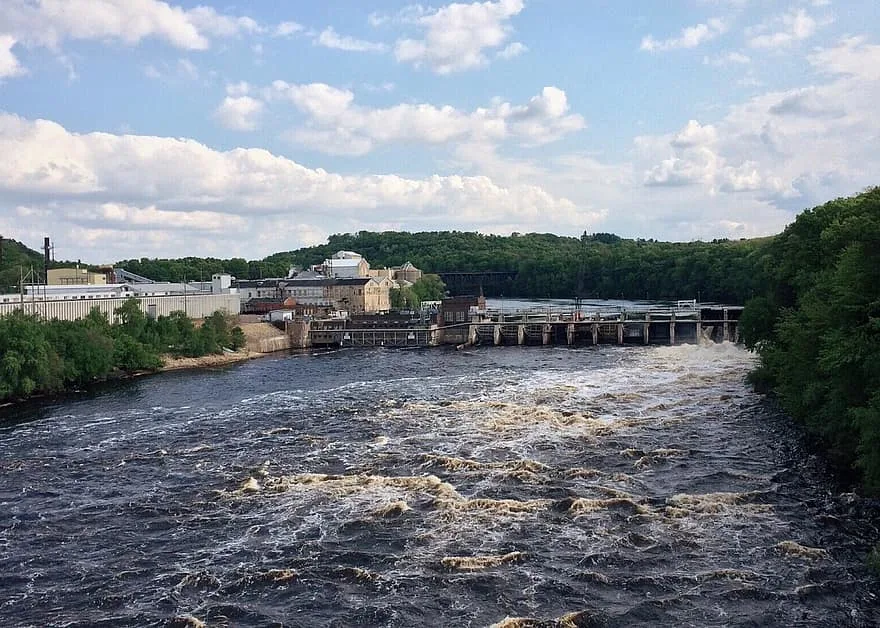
[[39, 356], [816, 328], [599, 265]]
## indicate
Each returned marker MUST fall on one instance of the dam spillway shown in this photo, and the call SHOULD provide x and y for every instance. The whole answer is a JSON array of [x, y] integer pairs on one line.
[[664, 326]]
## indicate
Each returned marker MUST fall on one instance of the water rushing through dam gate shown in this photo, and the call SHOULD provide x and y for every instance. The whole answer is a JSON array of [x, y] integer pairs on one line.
[[557, 486]]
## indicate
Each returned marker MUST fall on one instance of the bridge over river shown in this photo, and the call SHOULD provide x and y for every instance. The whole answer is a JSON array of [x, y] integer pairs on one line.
[[490, 283]]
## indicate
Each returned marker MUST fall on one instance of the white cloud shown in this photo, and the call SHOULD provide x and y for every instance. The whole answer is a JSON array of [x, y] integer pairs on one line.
[[337, 125], [143, 177], [329, 38], [242, 88], [792, 148], [457, 36], [49, 23], [239, 113], [286, 29], [207, 20], [852, 57], [690, 37], [512, 50], [793, 26], [694, 134], [149, 217], [9, 64]]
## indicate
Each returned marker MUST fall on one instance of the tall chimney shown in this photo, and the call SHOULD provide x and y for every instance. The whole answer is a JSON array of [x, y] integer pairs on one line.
[[46, 250]]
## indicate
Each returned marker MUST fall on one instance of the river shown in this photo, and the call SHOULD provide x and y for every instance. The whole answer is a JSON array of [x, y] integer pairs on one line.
[[598, 486]]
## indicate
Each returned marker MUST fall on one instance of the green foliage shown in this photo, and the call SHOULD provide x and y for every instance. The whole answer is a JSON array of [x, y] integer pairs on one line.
[[131, 355], [86, 351], [757, 321], [201, 269], [41, 357], [429, 288], [817, 329], [397, 298], [600, 265], [28, 362], [16, 257]]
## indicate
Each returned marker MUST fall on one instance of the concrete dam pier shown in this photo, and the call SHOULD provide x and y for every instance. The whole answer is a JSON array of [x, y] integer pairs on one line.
[[682, 325]]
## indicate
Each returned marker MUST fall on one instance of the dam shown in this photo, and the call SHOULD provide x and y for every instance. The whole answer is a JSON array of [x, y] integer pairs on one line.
[[685, 323]]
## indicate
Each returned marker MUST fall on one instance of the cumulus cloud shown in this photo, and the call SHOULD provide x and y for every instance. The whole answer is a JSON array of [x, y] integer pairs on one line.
[[129, 217], [690, 37], [329, 38], [792, 148], [9, 65], [48, 23], [337, 125], [457, 36], [852, 57], [156, 180], [239, 113], [784, 30]]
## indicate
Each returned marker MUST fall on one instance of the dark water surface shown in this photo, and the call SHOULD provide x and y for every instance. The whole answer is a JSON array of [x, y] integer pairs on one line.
[[634, 486]]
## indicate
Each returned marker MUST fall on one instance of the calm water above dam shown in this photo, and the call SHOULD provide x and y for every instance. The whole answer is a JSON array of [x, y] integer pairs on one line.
[[607, 486]]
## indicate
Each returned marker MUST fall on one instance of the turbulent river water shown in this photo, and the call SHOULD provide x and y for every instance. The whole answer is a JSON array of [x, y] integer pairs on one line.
[[609, 486]]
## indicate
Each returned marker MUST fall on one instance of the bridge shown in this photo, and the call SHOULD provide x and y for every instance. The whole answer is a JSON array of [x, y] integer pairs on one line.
[[491, 283]]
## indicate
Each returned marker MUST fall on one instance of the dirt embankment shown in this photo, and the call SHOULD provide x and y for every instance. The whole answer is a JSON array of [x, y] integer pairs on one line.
[[208, 361], [262, 338]]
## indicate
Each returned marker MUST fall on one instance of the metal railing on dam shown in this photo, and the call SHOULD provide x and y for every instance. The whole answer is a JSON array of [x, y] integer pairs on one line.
[[533, 328]]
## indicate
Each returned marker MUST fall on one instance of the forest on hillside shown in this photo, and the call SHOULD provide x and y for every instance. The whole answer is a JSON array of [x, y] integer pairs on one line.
[[15, 259], [592, 266], [816, 327]]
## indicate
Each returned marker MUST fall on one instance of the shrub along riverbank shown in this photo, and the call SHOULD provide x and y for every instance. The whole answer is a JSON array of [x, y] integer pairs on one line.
[[38, 357], [817, 330]]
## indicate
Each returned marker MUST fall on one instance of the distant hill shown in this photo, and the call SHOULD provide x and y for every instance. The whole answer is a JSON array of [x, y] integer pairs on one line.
[[13, 257], [599, 265]]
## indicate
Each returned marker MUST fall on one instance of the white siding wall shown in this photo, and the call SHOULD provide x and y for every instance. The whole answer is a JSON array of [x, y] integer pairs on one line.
[[195, 306]]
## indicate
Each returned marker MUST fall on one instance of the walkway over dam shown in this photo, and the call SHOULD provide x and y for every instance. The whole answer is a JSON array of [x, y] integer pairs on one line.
[[657, 326]]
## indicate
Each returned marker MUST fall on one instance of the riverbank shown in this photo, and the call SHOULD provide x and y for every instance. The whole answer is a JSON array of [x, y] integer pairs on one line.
[[261, 339], [209, 361]]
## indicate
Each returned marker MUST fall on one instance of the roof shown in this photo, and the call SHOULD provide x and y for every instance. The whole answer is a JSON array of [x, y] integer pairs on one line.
[[306, 282], [309, 274], [347, 255], [343, 262], [166, 287], [258, 283], [351, 281]]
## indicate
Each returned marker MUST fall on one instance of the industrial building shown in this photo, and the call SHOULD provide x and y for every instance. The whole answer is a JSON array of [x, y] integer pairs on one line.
[[78, 292], [343, 283]]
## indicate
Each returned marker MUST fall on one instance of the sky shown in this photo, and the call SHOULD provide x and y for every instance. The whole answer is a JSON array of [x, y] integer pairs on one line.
[[141, 128]]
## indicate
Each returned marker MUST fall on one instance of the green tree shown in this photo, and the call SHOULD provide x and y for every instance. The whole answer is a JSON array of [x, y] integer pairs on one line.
[[28, 362]]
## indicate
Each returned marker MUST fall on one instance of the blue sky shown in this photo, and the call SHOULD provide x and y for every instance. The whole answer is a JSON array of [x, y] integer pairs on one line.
[[160, 129]]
